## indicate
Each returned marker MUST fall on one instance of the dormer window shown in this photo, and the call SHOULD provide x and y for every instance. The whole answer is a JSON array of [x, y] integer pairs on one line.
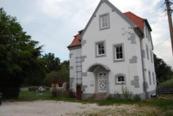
[[104, 21]]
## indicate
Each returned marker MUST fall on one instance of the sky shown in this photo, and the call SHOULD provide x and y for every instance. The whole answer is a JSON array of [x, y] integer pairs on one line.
[[54, 22]]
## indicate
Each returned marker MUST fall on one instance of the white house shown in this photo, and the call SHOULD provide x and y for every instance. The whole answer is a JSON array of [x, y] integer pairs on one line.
[[113, 55]]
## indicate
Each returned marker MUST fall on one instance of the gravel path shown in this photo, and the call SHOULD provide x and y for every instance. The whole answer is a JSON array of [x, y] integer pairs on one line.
[[45, 108]]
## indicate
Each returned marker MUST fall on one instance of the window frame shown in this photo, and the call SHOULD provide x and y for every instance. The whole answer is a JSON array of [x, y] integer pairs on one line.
[[97, 49], [147, 52], [117, 79], [115, 53], [154, 79], [101, 21], [149, 76], [151, 56]]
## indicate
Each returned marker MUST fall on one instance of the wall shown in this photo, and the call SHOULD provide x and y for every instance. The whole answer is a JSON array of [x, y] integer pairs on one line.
[[120, 32], [149, 63], [75, 61]]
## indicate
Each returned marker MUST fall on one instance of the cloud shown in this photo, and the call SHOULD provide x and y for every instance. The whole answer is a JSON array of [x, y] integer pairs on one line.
[[54, 22]]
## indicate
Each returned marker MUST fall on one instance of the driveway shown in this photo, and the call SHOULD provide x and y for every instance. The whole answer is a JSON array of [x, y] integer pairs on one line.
[[45, 108], [60, 108]]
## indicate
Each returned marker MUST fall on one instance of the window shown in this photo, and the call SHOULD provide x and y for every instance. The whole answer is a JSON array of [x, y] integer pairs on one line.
[[153, 78], [104, 21], [147, 34], [147, 50], [151, 54], [100, 49], [120, 79], [71, 55], [118, 52], [143, 53], [149, 75]]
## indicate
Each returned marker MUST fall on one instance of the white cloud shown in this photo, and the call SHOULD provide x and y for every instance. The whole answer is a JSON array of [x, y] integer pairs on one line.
[[79, 12], [59, 20], [53, 8]]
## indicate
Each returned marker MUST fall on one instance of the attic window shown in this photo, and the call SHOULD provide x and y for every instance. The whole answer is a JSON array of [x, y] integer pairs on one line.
[[104, 21]]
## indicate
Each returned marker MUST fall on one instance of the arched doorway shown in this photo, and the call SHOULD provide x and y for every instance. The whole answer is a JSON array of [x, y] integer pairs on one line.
[[101, 78]]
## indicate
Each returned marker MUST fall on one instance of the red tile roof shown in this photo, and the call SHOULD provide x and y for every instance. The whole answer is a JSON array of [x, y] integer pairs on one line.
[[76, 41], [136, 20]]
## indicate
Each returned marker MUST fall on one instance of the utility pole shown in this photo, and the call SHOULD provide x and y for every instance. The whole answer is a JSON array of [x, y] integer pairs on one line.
[[169, 13]]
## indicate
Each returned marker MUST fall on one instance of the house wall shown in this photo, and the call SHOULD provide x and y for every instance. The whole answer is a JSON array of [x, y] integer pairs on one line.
[[149, 63], [120, 32], [75, 68]]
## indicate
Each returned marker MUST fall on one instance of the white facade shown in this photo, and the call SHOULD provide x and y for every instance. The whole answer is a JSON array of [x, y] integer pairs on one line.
[[104, 74]]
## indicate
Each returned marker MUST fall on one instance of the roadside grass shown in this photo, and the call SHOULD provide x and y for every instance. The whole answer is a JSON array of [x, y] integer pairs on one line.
[[26, 95], [163, 103], [168, 83]]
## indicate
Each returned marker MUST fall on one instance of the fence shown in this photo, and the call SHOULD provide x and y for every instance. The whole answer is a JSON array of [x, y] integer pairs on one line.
[[165, 90]]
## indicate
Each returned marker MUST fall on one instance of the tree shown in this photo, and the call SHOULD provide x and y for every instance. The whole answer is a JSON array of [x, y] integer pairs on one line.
[[163, 71], [51, 63], [51, 77], [64, 71], [18, 55], [61, 75]]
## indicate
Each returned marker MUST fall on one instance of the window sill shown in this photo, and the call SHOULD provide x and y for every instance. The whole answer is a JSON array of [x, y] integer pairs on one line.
[[120, 83], [119, 60], [101, 55], [104, 28]]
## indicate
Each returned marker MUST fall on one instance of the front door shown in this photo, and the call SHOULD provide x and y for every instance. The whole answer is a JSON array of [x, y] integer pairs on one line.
[[101, 82]]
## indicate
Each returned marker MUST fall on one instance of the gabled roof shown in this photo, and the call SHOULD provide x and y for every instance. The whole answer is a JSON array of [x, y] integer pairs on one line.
[[134, 20], [113, 9], [137, 21], [76, 42]]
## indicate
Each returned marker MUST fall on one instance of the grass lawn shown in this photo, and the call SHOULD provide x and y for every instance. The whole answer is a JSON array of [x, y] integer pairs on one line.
[[163, 104], [168, 83]]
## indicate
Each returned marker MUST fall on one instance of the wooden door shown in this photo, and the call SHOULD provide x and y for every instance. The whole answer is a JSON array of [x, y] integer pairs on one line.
[[101, 82], [79, 92]]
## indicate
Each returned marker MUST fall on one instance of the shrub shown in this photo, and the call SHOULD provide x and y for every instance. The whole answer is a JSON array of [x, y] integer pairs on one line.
[[33, 88], [126, 93], [137, 98]]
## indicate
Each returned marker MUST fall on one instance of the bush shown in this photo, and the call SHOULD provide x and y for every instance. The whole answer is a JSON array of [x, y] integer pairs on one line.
[[71, 94], [126, 93], [137, 98], [33, 88], [10, 93]]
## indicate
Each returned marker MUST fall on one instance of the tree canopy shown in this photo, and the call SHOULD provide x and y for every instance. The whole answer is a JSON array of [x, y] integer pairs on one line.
[[163, 71], [18, 54]]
